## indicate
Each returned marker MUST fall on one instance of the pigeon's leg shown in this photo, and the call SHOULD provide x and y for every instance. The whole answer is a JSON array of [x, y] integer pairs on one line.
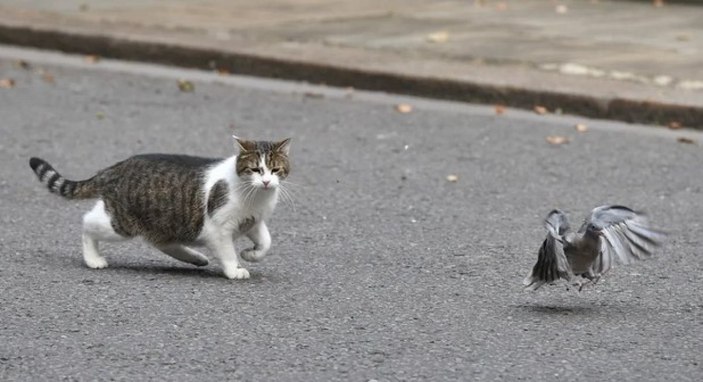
[[592, 280]]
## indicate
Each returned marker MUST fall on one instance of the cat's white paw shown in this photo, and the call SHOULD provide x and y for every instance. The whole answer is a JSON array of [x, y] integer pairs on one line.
[[236, 273], [95, 262], [252, 255]]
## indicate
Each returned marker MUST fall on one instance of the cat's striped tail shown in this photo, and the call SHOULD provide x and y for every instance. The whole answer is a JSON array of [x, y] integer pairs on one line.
[[57, 184]]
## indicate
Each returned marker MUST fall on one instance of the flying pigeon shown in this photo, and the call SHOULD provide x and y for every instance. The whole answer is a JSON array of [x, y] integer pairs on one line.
[[611, 234]]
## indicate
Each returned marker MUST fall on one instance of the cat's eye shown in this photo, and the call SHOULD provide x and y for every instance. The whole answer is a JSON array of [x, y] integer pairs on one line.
[[256, 170], [276, 170]]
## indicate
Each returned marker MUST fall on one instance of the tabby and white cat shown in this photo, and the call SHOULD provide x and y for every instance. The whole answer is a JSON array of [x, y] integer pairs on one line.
[[178, 200]]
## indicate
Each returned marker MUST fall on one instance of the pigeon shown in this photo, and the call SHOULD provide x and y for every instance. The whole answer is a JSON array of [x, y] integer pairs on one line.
[[611, 234]]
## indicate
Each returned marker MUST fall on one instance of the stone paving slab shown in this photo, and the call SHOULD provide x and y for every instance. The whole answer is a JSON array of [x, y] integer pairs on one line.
[[620, 60]]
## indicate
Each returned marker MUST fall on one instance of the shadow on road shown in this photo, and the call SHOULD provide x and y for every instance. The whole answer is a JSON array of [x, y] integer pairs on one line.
[[559, 310]]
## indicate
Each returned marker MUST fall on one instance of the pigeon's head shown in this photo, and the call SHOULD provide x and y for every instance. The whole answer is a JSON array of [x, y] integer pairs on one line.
[[593, 230]]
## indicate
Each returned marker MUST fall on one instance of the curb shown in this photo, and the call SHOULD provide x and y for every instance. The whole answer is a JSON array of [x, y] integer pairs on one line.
[[627, 110]]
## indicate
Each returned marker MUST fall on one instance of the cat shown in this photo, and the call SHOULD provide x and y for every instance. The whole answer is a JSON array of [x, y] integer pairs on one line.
[[173, 201]]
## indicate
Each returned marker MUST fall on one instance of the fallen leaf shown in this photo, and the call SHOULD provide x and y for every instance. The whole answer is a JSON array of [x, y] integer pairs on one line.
[[186, 86], [541, 110], [561, 9], [500, 109], [686, 140], [658, 3], [100, 115], [47, 77], [7, 83], [581, 128], [223, 72], [83, 7], [91, 59], [674, 125], [313, 95], [403, 108], [502, 6], [452, 178], [557, 139], [23, 64], [438, 37]]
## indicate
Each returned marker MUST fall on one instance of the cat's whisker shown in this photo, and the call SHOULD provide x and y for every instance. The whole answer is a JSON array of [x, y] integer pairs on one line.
[[249, 194], [289, 183], [286, 196]]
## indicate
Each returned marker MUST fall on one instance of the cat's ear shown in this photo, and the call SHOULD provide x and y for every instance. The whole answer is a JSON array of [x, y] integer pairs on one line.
[[243, 145], [283, 146]]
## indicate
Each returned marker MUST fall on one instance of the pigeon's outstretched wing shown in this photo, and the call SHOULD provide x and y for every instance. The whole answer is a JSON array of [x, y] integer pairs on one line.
[[551, 261], [625, 236]]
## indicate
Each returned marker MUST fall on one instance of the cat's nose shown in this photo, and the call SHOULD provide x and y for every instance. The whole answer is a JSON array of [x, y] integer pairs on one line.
[[266, 182]]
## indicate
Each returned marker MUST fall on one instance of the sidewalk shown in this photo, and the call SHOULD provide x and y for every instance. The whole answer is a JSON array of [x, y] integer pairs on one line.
[[621, 60]]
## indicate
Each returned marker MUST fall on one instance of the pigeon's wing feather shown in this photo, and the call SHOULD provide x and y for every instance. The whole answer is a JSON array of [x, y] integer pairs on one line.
[[625, 236], [551, 261], [556, 223]]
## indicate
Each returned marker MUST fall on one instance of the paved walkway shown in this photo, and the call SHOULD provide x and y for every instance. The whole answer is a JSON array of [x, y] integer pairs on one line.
[[624, 60]]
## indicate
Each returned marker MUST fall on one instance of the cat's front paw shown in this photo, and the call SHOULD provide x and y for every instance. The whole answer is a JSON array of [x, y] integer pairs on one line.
[[237, 273], [95, 262], [252, 255]]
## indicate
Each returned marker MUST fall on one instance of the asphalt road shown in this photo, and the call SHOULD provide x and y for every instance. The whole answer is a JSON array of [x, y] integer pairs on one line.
[[381, 270]]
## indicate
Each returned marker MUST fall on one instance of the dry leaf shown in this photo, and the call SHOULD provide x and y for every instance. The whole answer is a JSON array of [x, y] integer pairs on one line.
[[23, 64], [223, 72], [686, 140], [561, 9], [658, 3], [673, 125], [438, 37], [47, 77], [186, 86], [557, 139], [452, 178], [501, 6], [541, 110], [403, 108], [349, 92], [91, 59], [313, 95], [500, 109], [581, 128], [7, 83]]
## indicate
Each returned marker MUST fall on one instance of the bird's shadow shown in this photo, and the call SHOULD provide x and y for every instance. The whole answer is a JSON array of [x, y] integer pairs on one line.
[[562, 310]]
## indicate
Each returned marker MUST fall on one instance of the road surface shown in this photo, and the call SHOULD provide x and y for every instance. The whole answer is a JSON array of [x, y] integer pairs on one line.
[[381, 269]]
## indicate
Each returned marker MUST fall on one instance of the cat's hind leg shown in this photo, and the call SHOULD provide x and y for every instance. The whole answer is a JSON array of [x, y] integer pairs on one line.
[[97, 227], [259, 234], [185, 254]]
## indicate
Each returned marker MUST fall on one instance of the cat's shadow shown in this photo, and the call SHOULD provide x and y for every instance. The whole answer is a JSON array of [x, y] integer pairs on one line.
[[207, 272]]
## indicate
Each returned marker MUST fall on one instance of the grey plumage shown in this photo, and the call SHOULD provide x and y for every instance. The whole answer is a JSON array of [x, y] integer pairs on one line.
[[610, 234]]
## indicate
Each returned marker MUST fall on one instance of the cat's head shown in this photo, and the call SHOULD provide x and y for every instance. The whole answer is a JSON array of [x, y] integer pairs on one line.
[[264, 164]]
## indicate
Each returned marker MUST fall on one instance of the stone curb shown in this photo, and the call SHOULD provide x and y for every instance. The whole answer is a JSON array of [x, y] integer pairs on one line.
[[622, 109]]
